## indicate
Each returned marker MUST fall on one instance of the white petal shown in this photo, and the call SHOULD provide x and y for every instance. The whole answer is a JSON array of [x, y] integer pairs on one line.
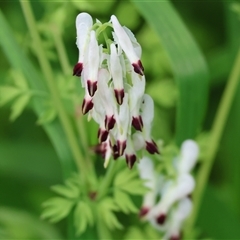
[[83, 24], [147, 109], [189, 155], [116, 68], [124, 40], [93, 57], [138, 141], [136, 45]]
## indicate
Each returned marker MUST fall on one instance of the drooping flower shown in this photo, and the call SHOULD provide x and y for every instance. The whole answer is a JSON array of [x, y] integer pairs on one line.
[[167, 215], [114, 84], [84, 23]]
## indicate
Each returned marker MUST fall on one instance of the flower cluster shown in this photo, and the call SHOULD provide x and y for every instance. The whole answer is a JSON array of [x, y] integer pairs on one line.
[[175, 203], [114, 81]]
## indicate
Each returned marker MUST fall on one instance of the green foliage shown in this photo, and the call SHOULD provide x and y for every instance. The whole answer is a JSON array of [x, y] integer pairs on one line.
[[83, 216], [127, 181], [105, 212], [56, 209], [19, 93]]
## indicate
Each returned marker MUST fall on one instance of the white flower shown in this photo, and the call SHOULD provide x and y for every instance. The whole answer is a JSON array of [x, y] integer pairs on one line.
[[83, 25], [176, 191], [93, 64], [178, 215], [188, 157], [125, 42], [117, 76], [114, 90]]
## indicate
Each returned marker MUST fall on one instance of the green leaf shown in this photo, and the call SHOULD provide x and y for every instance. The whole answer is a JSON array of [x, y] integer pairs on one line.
[[125, 176], [134, 187], [83, 216], [105, 211], [19, 79], [47, 116], [7, 94], [188, 65], [56, 209], [124, 202], [69, 191], [19, 105]]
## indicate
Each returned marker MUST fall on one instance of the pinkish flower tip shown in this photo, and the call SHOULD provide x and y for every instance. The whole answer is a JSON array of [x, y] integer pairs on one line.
[[77, 70], [137, 123], [143, 211], [92, 87], [175, 237], [119, 95], [86, 106], [138, 67]]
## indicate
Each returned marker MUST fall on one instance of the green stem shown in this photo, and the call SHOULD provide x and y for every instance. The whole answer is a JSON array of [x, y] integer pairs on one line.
[[48, 74], [63, 58], [215, 137], [106, 182]]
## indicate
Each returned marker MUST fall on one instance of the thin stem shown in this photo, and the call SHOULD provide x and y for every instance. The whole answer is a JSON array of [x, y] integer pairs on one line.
[[57, 37], [106, 182], [48, 74], [215, 137]]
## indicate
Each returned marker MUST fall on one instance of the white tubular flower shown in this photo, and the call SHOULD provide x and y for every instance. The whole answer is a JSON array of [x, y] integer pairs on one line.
[[116, 71], [147, 118], [122, 125], [93, 64], [136, 93], [125, 42], [189, 155], [130, 153], [177, 190], [106, 98], [178, 215], [146, 172], [83, 25]]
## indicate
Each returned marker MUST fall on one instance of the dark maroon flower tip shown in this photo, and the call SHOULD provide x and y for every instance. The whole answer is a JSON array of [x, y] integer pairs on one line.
[[77, 70], [130, 160], [109, 122], [119, 95], [92, 87], [138, 67], [137, 123], [86, 106], [121, 145], [102, 135], [143, 211], [115, 152], [161, 219], [152, 147], [175, 237]]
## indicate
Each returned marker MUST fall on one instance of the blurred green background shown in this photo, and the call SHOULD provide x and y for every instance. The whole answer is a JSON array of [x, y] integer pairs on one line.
[[28, 162]]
